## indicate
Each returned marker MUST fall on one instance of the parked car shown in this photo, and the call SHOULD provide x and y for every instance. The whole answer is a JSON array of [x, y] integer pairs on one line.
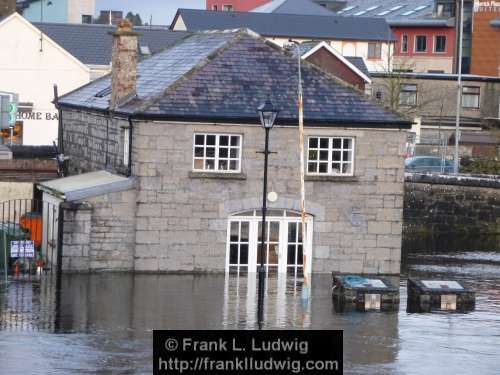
[[424, 164]]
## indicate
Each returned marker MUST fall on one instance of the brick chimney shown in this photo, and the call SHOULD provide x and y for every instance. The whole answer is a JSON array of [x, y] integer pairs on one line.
[[124, 64], [7, 7]]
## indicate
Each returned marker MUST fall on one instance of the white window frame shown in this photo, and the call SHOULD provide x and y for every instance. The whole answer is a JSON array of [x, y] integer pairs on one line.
[[254, 218], [377, 45], [435, 44], [478, 95], [413, 92], [330, 152], [415, 44], [216, 157], [126, 146], [227, 7], [402, 43]]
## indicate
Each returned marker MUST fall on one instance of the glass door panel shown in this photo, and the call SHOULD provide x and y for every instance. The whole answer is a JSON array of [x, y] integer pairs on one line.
[[239, 241], [272, 244], [294, 258]]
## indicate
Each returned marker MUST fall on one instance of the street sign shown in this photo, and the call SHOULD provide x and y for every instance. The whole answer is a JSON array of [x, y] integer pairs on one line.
[[22, 249]]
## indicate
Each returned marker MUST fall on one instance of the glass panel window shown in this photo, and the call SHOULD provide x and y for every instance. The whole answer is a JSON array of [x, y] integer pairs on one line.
[[470, 97], [440, 43], [239, 240], [408, 94], [420, 43], [374, 50], [217, 152], [330, 156], [404, 43]]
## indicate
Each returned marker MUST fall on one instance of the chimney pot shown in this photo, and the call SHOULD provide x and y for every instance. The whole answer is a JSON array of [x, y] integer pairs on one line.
[[123, 64]]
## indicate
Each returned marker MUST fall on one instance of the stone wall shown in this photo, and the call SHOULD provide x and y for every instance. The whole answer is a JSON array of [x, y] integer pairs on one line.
[[437, 98], [465, 206], [99, 233], [76, 236], [15, 190], [93, 141], [112, 238], [182, 216]]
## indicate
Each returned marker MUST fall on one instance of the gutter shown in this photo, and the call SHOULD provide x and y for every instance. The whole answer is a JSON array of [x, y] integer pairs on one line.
[[421, 22], [395, 124], [437, 76], [130, 140]]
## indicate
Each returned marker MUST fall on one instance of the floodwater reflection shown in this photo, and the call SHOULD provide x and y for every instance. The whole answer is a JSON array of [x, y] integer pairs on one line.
[[103, 323]]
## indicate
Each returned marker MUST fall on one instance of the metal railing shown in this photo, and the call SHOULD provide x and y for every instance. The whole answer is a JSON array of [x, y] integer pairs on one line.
[[28, 237]]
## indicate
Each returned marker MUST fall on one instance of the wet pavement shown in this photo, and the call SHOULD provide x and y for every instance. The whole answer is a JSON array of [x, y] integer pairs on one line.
[[102, 324]]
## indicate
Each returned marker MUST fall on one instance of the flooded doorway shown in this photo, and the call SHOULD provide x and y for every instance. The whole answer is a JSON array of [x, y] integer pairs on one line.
[[283, 251]]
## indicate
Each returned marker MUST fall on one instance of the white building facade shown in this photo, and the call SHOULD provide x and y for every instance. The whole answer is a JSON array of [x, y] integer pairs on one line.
[[30, 65]]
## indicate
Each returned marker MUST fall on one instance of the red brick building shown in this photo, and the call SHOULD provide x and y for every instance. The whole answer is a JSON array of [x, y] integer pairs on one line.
[[486, 39]]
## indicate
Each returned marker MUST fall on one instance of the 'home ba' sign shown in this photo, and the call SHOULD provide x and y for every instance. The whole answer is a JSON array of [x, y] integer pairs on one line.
[[22, 249]]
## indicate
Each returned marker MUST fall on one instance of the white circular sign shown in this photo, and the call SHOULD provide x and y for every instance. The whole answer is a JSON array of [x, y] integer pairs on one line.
[[272, 196]]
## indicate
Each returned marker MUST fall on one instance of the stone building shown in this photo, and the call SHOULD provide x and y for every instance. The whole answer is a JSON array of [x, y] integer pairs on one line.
[[166, 174]]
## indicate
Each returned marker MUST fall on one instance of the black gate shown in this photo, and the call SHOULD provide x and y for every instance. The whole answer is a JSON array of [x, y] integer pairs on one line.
[[28, 237]]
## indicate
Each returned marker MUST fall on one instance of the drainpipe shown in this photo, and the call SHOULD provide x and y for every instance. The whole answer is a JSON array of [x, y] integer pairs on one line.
[[60, 238], [130, 140]]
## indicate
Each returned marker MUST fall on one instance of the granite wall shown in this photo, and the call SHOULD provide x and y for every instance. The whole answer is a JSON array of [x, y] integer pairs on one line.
[[182, 215], [437, 205]]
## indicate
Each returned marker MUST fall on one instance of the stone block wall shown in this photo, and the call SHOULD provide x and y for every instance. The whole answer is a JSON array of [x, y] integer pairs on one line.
[[112, 239], [93, 141], [99, 233], [76, 236], [182, 215], [437, 205]]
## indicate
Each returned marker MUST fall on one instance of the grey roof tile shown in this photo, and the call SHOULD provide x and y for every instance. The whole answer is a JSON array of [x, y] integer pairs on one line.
[[91, 44], [359, 63], [306, 7], [289, 25], [225, 76]]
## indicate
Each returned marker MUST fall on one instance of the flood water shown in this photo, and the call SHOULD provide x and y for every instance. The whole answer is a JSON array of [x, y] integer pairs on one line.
[[103, 323]]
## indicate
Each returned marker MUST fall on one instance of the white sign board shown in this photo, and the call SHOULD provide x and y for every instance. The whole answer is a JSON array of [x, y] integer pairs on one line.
[[22, 249], [377, 283], [437, 284]]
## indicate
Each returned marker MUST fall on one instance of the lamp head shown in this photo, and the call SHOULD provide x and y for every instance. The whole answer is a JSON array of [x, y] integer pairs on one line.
[[267, 114]]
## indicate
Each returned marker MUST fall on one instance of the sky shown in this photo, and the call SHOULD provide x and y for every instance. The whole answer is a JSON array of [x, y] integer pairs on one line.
[[163, 11]]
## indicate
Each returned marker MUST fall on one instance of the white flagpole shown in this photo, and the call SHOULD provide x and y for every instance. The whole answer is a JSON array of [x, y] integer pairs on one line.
[[302, 173]]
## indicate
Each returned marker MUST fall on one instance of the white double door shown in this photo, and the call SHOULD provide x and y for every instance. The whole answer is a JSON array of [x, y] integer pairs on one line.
[[283, 249]]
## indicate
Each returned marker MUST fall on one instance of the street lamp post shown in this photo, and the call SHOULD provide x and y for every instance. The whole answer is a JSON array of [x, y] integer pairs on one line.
[[267, 115]]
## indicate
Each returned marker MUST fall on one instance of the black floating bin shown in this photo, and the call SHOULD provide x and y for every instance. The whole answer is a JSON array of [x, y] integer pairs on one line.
[[439, 295], [364, 293]]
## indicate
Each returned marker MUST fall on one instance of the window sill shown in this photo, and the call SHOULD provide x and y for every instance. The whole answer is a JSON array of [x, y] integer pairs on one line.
[[332, 178], [218, 175]]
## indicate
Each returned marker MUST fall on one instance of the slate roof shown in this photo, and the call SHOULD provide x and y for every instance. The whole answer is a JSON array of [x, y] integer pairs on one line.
[[224, 77], [293, 7], [91, 44], [396, 12], [288, 25], [359, 63]]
